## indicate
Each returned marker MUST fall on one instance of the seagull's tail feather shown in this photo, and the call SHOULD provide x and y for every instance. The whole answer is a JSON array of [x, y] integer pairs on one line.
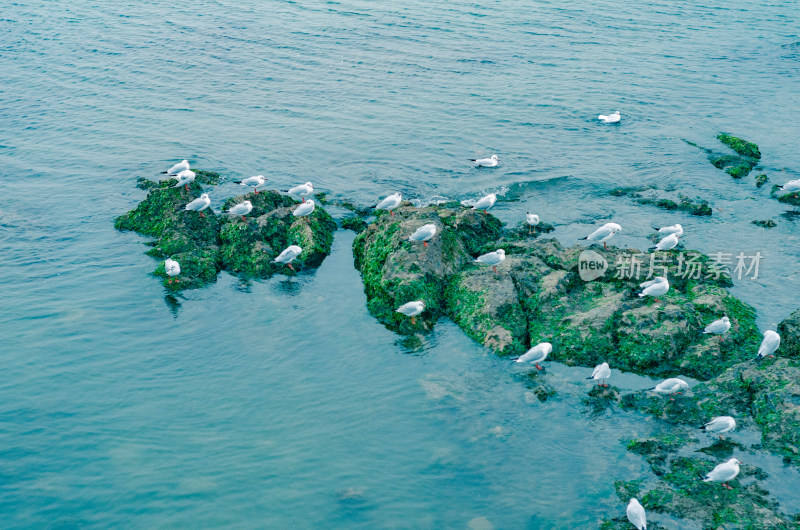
[[590, 377], [652, 248], [473, 159], [641, 295], [656, 228], [583, 238], [237, 181], [164, 172]]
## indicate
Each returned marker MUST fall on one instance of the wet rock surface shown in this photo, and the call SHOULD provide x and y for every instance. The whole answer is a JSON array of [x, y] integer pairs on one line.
[[666, 199]]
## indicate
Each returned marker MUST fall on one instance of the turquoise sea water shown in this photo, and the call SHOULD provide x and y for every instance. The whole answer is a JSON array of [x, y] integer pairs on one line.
[[258, 405]]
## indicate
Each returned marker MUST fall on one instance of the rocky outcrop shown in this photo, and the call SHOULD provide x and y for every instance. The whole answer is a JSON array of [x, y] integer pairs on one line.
[[205, 243], [666, 199], [739, 165]]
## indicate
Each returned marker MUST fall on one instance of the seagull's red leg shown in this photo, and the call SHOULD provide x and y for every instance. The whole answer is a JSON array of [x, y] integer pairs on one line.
[[290, 266], [413, 320], [391, 213], [256, 190], [304, 199], [494, 269], [538, 367], [484, 211], [424, 243], [604, 245], [186, 186]]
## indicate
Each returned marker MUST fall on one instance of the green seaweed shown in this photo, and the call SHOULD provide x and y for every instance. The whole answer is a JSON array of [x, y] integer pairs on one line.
[[740, 146]]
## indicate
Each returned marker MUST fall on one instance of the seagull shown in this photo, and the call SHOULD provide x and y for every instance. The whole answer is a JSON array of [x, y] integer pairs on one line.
[[670, 386], [636, 514], [390, 203], [718, 327], [492, 161], [655, 287], [304, 209], [601, 372], [484, 203], [242, 209], [302, 190], [791, 186], [424, 233], [604, 233], [614, 117], [536, 354], [720, 425], [184, 178], [492, 258], [770, 343], [667, 243], [667, 230], [199, 204], [256, 181], [288, 255], [177, 168], [173, 268], [412, 309], [532, 219], [724, 472]]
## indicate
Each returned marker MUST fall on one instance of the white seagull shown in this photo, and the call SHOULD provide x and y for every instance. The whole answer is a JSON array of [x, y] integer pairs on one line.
[[177, 168], [601, 373], [671, 386], [536, 354], [242, 209], [667, 230], [302, 190], [484, 203], [791, 186], [304, 209], [199, 204], [532, 220], [173, 268], [390, 203], [720, 425], [412, 309], [667, 243], [614, 117], [256, 182], [424, 233], [492, 161], [492, 258], [288, 255], [770, 343], [718, 327], [604, 233], [184, 178], [655, 287], [636, 514], [724, 472]]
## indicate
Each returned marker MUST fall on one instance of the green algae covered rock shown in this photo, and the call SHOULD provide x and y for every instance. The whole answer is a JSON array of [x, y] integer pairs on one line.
[[792, 198], [738, 165], [740, 146], [668, 199], [789, 330], [205, 243]]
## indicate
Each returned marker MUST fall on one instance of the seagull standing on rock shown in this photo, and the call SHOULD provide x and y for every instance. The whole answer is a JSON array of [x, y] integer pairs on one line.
[[724, 472], [536, 354], [484, 203], [173, 268], [177, 168], [412, 309], [718, 327], [667, 243], [614, 117], [492, 258], [656, 287], [532, 220], [770, 343], [604, 233], [304, 209], [424, 233], [636, 514], [256, 181], [667, 230], [720, 425], [791, 186], [302, 190], [199, 204], [242, 209], [185, 177], [671, 386], [390, 203], [288, 255], [492, 161], [601, 373]]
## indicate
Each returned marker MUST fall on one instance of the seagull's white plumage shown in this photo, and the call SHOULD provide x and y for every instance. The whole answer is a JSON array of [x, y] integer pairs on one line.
[[791, 186], [536, 354], [184, 178], [492, 161], [424, 233], [655, 287], [412, 309], [532, 219], [636, 514], [720, 425], [484, 203], [304, 209], [724, 472], [604, 233], [177, 168], [601, 372], [288, 255], [302, 190], [614, 117], [256, 181], [718, 327], [390, 202], [172, 267], [492, 258], [667, 230], [199, 204], [667, 243], [671, 386], [242, 208], [769, 344]]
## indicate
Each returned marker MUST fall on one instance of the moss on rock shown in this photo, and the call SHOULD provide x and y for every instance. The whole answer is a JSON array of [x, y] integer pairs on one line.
[[768, 223], [792, 198], [666, 199], [740, 146], [761, 180]]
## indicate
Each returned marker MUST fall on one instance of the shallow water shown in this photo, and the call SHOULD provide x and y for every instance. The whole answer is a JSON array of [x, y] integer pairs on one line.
[[255, 405]]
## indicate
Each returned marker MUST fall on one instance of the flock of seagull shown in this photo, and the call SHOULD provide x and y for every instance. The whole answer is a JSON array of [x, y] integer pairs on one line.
[[658, 286]]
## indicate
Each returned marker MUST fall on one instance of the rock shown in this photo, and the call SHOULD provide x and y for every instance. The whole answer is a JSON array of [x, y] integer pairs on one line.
[[792, 198], [733, 165], [789, 330], [666, 199], [741, 147], [356, 224], [205, 244], [761, 180], [769, 223]]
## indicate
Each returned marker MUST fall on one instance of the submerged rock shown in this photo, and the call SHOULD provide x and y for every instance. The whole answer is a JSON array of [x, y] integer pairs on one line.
[[738, 165], [767, 223], [668, 199], [740, 146], [792, 198], [205, 243]]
